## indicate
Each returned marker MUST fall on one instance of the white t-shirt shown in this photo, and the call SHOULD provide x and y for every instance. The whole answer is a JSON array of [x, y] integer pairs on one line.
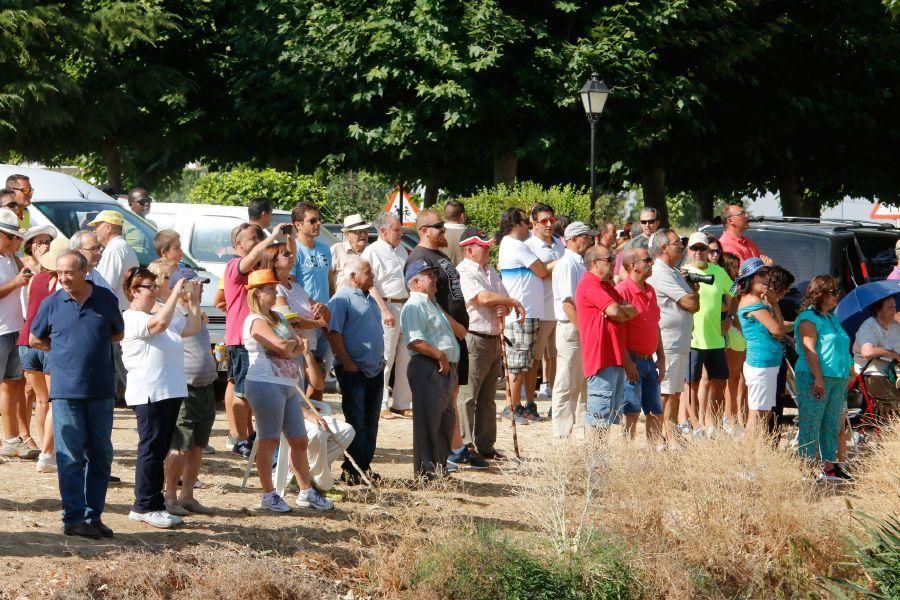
[[566, 276], [11, 316], [267, 367], [520, 281], [547, 253], [870, 332], [117, 258], [155, 363], [299, 302]]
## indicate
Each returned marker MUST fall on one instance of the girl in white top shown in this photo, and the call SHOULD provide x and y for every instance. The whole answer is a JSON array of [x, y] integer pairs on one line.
[[153, 355], [271, 389]]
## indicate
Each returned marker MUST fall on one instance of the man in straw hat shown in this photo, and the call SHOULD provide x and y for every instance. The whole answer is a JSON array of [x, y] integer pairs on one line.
[[356, 238]]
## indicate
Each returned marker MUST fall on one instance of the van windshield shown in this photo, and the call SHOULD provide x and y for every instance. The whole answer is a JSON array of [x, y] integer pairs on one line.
[[805, 256], [878, 249]]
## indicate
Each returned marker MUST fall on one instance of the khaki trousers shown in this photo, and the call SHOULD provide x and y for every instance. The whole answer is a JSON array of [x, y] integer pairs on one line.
[[395, 354], [476, 405], [570, 387]]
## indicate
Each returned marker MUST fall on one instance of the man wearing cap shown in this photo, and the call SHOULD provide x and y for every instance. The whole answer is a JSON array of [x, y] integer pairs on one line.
[[21, 185], [88, 245], [432, 370], [387, 256], [357, 340], [549, 249], [13, 278], [602, 313], [356, 238], [677, 301], [118, 256], [487, 303], [569, 386], [642, 340], [708, 339], [79, 323], [736, 221]]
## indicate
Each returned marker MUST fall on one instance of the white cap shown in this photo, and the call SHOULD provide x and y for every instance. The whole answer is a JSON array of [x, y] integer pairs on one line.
[[698, 237]]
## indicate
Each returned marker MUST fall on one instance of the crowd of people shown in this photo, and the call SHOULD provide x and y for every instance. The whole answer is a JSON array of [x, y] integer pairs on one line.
[[614, 327]]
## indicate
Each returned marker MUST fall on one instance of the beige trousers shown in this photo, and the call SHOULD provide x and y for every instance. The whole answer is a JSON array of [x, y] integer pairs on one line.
[[569, 387]]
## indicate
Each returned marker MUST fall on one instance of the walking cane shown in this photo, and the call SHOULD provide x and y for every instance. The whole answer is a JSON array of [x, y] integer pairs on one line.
[[316, 412], [504, 341]]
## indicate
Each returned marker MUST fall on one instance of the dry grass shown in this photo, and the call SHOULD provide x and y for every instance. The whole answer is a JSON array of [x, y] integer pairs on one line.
[[878, 490]]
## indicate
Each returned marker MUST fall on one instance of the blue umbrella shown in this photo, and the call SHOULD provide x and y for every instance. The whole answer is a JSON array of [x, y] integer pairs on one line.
[[854, 308]]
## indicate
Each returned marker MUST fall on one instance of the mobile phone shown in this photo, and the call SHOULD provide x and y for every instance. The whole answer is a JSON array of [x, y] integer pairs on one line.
[[188, 287], [287, 229], [27, 271]]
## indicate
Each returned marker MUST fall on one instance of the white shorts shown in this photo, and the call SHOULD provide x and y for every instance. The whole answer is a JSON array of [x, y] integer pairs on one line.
[[762, 387], [676, 372]]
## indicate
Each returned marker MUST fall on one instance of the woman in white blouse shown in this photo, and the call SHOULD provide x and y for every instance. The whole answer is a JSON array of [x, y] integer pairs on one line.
[[876, 344], [153, 355]]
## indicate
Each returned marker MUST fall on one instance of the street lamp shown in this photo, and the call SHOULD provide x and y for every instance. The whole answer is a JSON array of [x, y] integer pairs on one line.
[[593, 97]]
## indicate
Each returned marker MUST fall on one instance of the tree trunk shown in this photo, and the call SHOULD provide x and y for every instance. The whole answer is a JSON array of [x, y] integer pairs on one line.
[[653, 183], [706, 203], [113, 158], [505, 164], [791, 195], [431, 192]]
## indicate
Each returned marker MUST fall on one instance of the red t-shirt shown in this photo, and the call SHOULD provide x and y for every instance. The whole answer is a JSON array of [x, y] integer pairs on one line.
[[236, 310], [743, 247], [602, 339], [641, 332]]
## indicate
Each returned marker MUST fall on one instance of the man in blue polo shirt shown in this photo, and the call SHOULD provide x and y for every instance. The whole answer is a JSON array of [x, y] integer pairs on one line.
[[357, 340], [79, 323]]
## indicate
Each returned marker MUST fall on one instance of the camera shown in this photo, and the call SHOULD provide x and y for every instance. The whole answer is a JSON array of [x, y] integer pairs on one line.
[[694, 278], [27, 272], [287, 229]]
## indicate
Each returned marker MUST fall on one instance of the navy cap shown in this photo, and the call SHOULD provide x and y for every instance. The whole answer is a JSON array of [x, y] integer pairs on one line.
[[416, 267], [182, 272]]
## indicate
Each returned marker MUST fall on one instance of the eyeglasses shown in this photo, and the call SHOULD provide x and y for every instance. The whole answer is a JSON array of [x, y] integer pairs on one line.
[[739, 214], [438, 225], [25, 190], [646, 261], [41, 243], [648, 221], [152, 287], [98, 248], [10, 236], [547, 221]]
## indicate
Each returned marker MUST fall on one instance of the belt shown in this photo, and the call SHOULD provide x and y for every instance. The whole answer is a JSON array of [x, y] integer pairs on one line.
[[486, 336], [642, 356], [396, 300]]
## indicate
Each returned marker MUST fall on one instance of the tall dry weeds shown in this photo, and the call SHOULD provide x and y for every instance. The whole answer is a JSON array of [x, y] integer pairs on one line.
[[877, 491]]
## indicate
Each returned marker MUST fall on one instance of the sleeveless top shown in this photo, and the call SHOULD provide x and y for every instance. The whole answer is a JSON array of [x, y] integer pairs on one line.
[[39, 290], [763, 349]]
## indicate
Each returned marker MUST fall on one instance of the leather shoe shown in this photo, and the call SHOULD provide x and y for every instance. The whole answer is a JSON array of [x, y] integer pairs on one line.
[[85, 530], [387, 414], [103, 529], [405, 414]]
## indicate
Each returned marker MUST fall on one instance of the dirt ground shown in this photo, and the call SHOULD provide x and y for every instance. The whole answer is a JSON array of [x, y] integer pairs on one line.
[[36, 559]]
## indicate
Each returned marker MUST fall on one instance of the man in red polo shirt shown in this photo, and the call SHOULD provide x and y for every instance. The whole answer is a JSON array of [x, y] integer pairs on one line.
[[736, 220], [642, 340], [601, 315]]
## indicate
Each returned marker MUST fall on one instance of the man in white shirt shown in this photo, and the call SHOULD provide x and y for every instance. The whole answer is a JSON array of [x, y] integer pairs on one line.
[[387, 257], [88, 245], [487, 303], [569, 386], [549, 249], [522, 272], [356, 238], [117, 256]]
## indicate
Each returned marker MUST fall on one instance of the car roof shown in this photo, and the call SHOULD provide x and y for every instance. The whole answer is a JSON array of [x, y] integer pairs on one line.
[[215, 209], [825, 227], [50, 186]]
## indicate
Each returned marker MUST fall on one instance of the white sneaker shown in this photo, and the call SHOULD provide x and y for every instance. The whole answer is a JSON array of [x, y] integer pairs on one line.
[[684, 428], [710, 432], [157, 518], [726, 426], [272, 501], [544, 392], [311, 498], [46, 463]]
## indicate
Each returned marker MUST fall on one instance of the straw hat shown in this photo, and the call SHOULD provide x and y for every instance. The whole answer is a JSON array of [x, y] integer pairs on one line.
[[57, 247], [355, 222], [9, 223], [260, 278]]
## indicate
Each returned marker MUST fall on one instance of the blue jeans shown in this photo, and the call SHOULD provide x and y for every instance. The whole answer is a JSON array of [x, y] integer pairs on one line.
[[643, 393], [82, 430], [606, 397], [361, 403]]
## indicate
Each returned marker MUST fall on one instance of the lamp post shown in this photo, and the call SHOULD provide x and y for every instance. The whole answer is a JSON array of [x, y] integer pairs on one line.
[[593, 97]]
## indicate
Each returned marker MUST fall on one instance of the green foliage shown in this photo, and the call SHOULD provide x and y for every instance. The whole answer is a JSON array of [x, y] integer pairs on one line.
[[485, 206], [237, 187], [484, 566], [356, 192], [878, 553]]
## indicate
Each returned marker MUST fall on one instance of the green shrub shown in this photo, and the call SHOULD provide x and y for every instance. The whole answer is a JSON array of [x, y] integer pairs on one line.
[[484, 566], [360, 192], [238, 186], [878, 553], [485, 206]]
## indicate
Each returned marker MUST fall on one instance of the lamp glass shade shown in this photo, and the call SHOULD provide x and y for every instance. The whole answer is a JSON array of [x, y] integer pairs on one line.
[[593, 96]]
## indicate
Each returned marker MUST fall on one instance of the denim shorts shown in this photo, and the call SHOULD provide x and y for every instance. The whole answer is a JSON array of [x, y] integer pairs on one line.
[[10, 364], [33, 359], [643, 393], [606, 397], [238, 363]]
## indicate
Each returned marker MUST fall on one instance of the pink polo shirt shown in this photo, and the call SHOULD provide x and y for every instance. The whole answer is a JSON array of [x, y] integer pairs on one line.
[[236, 308], [743, 247]]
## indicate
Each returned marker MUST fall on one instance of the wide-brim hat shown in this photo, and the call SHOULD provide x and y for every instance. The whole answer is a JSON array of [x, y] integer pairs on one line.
[[41, 230], [473, 235], [355, 222], [113, 217], [260, 278], [57, 247], [9, 223], [749, 268]]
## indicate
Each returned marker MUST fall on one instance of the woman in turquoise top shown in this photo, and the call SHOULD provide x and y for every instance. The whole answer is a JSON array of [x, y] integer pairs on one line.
[[822, 369], [763, 329]]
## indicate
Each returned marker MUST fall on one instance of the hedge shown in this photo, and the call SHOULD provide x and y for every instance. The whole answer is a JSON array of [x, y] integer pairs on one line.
[[237, 187]]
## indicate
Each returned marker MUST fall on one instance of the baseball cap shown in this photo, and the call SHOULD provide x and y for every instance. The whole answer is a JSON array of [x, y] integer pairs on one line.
[[577, 228], [416, 267], [473, 235], [113, 217], [182, 272], [698, 237]]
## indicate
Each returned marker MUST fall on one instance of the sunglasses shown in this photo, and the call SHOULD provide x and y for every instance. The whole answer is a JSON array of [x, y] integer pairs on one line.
[[608, 259], [144, 201], [438, 225], [698, 248], [11, 205], [715, 251], [10, 236], [646, 261], [152, 287], [833, 291], [547, 221], [41, 243], [648, 221], [313, 220], [24, 190], [287, 254]]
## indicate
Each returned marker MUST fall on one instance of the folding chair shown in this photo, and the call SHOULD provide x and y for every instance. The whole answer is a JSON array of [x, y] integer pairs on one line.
[[282, 468]]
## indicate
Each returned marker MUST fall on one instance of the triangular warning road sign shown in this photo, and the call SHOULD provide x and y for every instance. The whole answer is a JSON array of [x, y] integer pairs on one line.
[[410, 209]]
